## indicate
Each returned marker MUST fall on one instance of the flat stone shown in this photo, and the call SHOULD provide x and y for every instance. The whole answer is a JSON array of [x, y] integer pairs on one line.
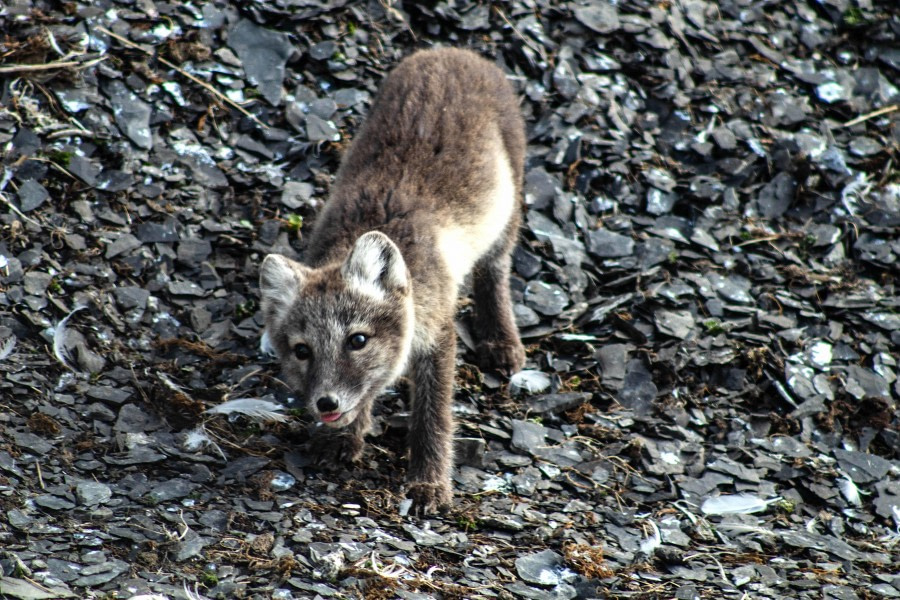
[[31, 195], [91, 493], [542, 568], [263, 53], [608, 244], [132, 114]]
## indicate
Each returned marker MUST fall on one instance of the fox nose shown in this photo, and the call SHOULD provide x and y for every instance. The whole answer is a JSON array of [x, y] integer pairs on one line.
[[326, 404]]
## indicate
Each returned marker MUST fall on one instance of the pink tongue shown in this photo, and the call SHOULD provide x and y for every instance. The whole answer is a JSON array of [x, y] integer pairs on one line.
[[329, 417]]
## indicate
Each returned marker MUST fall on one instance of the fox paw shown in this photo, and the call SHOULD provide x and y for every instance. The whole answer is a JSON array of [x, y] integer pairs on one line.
[[336, 449], [508, 357], [429, 498]]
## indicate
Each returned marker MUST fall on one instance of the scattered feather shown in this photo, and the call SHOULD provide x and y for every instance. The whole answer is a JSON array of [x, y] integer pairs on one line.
[[577, 337], [192, 594], [254, 408], [532, 382], [197, 439], [6, 348], [175, 387], [651, 542], [59, 340], [849, 490], [735, 504]]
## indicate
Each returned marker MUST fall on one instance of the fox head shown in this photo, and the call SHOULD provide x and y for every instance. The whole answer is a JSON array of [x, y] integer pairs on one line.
[[343, 332]]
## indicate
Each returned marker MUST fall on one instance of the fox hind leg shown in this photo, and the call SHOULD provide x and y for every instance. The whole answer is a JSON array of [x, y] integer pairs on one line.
[[499, 346]]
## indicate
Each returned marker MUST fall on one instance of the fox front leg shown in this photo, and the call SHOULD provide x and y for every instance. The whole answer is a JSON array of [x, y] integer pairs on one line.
[[431, 427], [330, 447]]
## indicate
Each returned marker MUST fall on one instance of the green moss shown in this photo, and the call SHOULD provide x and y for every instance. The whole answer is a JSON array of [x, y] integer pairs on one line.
[[713, 327], [245, 309], [294, 222], [60, 157], [853, 17]]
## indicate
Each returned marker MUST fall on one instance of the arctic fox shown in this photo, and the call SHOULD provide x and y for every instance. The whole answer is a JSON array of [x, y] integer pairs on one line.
[[428, 192]]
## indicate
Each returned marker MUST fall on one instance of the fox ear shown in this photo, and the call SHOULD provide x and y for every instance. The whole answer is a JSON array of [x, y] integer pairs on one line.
[[375, 266], [280, 280]]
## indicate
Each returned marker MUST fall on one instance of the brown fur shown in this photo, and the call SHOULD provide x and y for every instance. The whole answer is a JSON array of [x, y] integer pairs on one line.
[[432, 169]]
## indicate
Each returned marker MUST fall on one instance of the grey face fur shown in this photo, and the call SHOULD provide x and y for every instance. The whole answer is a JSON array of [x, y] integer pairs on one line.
[[343, 334]]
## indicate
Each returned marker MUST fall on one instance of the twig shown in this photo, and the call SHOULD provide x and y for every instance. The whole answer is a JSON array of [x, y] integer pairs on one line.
[[196, 80], [59, 64], [871, 115], [72, 131], [537, 49]]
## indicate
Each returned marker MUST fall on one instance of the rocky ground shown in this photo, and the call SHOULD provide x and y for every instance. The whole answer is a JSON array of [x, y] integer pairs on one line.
[[707, 284]]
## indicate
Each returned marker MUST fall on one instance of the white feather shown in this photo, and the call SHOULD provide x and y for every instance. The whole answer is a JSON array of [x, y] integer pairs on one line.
[[6, 348], [849, 490], [254, 408], [729, 504], [653, 541], [197, 439], [59, 340], [167, 381], [529, 381]]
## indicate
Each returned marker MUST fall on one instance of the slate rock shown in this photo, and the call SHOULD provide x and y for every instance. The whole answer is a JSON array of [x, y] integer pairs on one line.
[[84, 169], [469, 451], [92, 493], [542, 568], [545, 298], [64, 570], [556, 403], [638, 390], [94, 575], [601, 16], [190, 546], [608, 244], [295, 194], [128, 297], [194, 251], [53, 502], [31, 195], [676, 323], [527, 436], [321, 130], [123, 244], [862, 467], [36, 282], [540, 188], [323, 50], [777, 196], [132, 114], [263, 53], [133, 419], [153, 233], [172, 489]]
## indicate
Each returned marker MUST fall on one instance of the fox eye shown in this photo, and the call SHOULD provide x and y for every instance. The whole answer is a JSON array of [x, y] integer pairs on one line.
[[357, 341], [302, 352]]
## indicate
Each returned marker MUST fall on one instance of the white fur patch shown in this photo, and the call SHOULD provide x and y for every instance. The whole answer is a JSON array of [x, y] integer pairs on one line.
[[463, 244], [372, 253], [280, 281]]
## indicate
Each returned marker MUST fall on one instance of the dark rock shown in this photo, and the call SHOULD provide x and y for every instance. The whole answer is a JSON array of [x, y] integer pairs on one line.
[[32, 195], [263, 53]]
